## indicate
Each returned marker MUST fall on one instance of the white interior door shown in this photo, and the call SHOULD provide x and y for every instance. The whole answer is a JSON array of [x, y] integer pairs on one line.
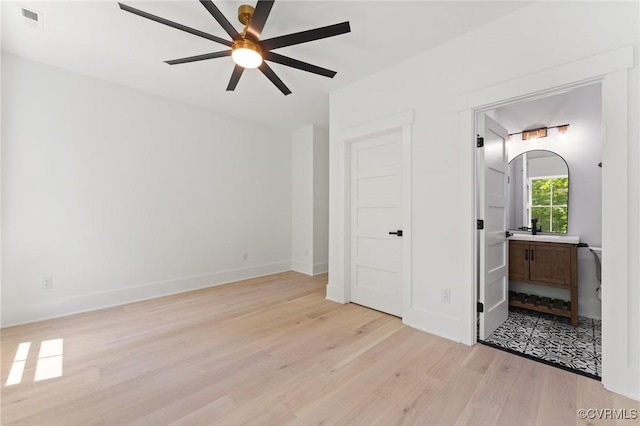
[[376, 210], [493, 246]]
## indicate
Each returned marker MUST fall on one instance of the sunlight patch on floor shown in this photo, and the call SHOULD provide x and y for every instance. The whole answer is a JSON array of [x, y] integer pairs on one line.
[[49, 360], [48, 365], [17, 369]]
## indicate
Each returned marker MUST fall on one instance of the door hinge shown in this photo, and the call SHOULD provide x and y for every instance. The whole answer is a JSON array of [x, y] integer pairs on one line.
[[480, 141], [480, 307], [480, 224]]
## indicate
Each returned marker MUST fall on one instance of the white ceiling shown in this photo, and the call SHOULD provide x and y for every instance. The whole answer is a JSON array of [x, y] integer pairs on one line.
[[553, 110], [96, 38]]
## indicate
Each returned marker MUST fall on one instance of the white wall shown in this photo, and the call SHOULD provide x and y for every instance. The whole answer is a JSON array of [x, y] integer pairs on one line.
[[546, 166], [581, 148], [320, 200], [120, 195], [310, 199], [553, 33], [1, 173], [302, 200]]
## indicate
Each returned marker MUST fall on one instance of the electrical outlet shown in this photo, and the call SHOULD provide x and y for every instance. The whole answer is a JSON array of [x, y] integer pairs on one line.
[[446, 295], [47, 283], [245, 256]]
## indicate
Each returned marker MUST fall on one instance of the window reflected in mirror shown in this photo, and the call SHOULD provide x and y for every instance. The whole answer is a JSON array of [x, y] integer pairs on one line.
[[539, 188], [549, 198]]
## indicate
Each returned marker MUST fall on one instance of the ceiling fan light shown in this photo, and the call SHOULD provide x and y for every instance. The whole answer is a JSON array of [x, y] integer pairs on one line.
[[246, 54]]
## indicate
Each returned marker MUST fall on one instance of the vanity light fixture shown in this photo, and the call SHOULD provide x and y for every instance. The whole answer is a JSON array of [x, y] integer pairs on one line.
[[534, 133], [540, 132]]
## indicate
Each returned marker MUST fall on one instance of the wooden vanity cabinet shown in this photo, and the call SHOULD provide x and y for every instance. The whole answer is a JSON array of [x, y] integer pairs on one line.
[[547, 264]]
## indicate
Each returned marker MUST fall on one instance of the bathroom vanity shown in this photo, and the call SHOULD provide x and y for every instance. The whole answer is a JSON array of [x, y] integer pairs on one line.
[[545, 260]]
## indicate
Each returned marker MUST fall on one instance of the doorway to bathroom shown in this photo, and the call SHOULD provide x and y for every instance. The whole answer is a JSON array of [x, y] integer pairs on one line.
[[540, 194], [620, 328]]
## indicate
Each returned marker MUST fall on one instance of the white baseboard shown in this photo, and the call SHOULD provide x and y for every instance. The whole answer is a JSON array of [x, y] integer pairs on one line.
[[335, 294], [17, 314], [302, 267], [320, 268], [308, 268], [433, 323], [629, 387]]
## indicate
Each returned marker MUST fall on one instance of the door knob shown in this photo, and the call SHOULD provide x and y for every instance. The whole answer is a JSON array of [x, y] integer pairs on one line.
[[398, 233]]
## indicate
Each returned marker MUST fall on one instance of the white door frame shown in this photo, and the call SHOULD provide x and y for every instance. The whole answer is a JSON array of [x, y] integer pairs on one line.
[[339, 292], [619, 372]]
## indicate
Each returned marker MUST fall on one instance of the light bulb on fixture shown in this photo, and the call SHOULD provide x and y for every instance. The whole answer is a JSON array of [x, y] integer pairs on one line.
[[246, 53], [563, 131]]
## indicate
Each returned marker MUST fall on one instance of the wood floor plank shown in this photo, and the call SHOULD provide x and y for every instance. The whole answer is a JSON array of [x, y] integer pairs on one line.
[[480, 358], [273, 351], [605, 408], [407, 410], [491, 393], [558, 405], [204, 415], [449, 401], [523, 400]]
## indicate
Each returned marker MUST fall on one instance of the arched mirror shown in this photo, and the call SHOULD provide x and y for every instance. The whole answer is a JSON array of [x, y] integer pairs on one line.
[[539, 188]]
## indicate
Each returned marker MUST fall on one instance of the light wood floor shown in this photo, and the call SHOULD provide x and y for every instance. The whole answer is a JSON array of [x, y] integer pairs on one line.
[[273, 351]]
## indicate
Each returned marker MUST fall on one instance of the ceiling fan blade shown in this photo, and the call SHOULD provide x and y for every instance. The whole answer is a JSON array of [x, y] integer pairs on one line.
[[174, 24], [222, 20], [260, 15], [199, 57], [305, 36], [235, 77], [266, 70], [294, 63]]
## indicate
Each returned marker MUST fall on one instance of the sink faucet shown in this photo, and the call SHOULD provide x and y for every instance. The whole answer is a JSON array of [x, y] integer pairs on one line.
[[534, 226]]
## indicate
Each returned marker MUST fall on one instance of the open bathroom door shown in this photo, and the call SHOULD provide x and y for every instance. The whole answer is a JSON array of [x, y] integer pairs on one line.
[[493, 244]]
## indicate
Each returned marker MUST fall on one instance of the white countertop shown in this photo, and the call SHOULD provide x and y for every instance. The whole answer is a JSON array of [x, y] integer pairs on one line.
[[549, 238]]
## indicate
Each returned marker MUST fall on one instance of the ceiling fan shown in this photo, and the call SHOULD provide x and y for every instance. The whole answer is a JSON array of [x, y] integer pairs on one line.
[[247, 49]]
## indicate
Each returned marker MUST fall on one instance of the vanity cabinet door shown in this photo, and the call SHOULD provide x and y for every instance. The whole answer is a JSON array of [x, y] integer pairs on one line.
[[550, 263], [518, 261]]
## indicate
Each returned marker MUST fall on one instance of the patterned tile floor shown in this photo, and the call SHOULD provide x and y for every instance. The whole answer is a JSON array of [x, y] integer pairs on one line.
[[553, 340]]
